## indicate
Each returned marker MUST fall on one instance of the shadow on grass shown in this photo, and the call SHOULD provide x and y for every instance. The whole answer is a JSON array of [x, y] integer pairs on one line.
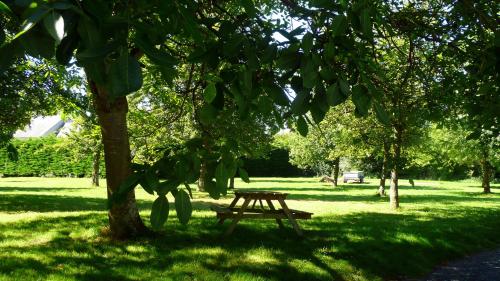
[[284, 180], [379, 245], [41, 189]]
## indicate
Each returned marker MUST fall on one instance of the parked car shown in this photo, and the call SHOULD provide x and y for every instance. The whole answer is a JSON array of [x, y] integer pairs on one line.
[[356, 176]]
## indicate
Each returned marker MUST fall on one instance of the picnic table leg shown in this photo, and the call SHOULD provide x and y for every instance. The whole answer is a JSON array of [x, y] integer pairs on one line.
[[292, 220], [235, 200], [238, 217], [271, 206]]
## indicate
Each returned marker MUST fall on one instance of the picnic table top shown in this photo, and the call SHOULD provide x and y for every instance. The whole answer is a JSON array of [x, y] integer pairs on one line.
[[261, 194]]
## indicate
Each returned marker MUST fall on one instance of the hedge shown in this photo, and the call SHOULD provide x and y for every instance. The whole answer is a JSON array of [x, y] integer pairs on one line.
[[47, 156], [275, 165]]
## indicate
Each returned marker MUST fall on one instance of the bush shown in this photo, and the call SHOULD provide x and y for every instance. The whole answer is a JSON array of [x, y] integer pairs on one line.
[[275, 165], [47, 156]]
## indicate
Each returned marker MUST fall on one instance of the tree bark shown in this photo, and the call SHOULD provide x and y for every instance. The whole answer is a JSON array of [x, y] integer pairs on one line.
[[203, 175], [231, 183], [124, 219], [335, 171], [486, 172], [381, 189], [96, 161], [394, 196]]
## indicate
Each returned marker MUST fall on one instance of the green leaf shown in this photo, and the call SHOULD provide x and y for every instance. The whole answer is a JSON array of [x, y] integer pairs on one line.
[[334, 96], [288, 60], [129, 183], [327, 73], [125, 76], [2, 36], [302, 127], [208, 114], [309, 74], [339, 25], [300, 104], [151, 179], [324, 4], [39, 13], [90, 34], [361, 99], [157, 56], [37, 43], [159, 212], [167, 186], [277, 94], [211, 188], [243, 175], [249, 7], [210, 92], [221, 177], [381, 114], [189, 190], [65, 49], [4, 9], [146, 186], [54, 24], [344, 87], [329, 50], [366, 23], [183, 207], [233, 46], [12, 153], [411, 182], [474, 135], [307, 42], [317, 114]]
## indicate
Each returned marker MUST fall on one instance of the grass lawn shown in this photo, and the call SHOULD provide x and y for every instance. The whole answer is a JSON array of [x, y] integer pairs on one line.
[[50, 230]]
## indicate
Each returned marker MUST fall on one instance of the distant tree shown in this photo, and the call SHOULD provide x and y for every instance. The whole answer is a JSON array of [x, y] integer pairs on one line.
[[471, 75], [230, 42], [339, 134]]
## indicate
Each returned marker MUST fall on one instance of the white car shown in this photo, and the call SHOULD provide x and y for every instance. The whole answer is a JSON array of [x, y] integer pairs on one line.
[[356, 176]]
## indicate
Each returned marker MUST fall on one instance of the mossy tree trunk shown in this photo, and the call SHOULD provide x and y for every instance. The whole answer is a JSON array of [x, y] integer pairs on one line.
[[335, 171], [486, 172], [96, 167], [124, 219], [203, 175], [381, 189], [394, 192]]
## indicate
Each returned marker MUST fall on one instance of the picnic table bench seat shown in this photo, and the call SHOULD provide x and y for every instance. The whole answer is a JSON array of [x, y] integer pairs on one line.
[[254, 212], [226, 213]]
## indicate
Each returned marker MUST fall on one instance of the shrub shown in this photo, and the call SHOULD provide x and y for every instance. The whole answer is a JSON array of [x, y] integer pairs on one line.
[[47, 156]]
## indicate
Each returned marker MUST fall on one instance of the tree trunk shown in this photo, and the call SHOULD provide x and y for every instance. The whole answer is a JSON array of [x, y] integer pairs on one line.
[[335, 171], [231, 183], [381, 189], [394, 196], [96, 161], [124, 219], [203, 175], [486, 172]]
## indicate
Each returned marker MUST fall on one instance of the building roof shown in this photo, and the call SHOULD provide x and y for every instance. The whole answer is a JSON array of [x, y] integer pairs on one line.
[[42, 126]]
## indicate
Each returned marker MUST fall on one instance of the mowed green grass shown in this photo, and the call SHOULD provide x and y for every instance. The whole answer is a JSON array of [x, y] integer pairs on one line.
[[50, 230]]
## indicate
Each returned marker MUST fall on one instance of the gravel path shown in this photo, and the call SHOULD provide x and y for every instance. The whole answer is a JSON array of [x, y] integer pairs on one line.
[[479, 267]]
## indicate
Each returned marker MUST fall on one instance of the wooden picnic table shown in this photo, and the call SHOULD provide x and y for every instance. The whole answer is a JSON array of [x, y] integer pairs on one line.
[[237, 214]]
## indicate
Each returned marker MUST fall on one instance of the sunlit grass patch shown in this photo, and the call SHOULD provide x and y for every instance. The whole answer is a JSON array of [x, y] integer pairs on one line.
[[50, 229]]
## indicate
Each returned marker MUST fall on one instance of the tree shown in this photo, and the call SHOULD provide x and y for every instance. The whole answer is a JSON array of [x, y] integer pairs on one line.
[[339, 134], [231, 43], [472, 78], [85, 139]]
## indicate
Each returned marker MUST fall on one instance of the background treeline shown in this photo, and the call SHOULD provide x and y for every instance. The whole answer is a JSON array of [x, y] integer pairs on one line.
[[47, 156], [51, 156]]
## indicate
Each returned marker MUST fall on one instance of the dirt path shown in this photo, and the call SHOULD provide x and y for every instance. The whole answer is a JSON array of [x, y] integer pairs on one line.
[[479, 267]]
